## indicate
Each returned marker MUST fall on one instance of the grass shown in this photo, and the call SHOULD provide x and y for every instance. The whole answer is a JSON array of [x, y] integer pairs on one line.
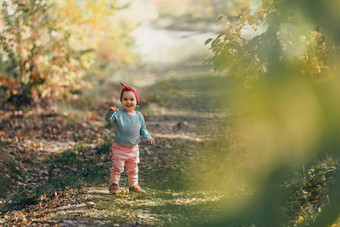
[[158, 207], [310, 190]]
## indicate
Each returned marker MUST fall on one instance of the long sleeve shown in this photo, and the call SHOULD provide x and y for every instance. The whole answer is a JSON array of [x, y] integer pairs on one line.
[[109, 116], [144, 132]]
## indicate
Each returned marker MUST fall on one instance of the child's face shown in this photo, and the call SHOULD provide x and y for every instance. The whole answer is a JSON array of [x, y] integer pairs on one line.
[[129, 101]]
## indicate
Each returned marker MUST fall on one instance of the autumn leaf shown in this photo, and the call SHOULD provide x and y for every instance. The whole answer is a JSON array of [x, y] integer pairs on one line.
[[2, 133], [254, 26], [250, 20], [228, 26]]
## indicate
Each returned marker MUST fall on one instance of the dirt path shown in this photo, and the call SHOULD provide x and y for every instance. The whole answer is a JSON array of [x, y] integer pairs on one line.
[[179, 129], [179, 105]]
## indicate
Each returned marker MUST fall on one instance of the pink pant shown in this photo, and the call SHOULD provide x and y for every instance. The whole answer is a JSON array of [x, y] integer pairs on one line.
[[128, 156]]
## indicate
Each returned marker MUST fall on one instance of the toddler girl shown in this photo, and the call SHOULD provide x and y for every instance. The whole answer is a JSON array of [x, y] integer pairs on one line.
[[130, 125]]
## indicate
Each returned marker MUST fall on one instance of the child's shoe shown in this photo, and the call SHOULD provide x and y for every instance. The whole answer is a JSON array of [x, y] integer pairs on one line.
[[113, 189], [136, 188]]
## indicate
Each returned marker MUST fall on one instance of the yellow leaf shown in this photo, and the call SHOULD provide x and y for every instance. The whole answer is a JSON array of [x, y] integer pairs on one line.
[[300, 219], [228, 26], [221, 19], [250, 20], [264, 4], [254, 27], [243, 10], [24, 222]]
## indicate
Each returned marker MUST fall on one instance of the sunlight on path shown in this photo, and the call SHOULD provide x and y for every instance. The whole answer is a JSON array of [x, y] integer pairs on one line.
[[95, 206], [178, 136], [154, 208]]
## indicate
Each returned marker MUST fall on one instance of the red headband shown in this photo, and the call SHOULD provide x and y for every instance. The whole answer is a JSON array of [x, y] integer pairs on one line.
[[126, 88]]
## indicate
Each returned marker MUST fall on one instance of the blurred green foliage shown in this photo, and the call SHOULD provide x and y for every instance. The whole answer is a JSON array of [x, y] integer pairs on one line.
[[276, 34], [289, 121]]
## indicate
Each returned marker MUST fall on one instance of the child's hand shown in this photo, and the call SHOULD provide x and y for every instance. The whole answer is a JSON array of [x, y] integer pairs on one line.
[[113, 109], [150, 141]]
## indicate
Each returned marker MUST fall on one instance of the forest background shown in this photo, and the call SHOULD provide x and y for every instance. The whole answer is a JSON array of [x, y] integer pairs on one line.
[[242, 98]]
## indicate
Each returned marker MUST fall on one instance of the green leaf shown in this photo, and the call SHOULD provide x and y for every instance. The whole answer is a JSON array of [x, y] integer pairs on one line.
[[215, 42], [208, 41], [220, 35]]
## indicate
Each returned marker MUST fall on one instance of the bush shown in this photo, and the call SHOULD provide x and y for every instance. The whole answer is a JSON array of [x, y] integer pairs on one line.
[[309, 191], [35, 53]]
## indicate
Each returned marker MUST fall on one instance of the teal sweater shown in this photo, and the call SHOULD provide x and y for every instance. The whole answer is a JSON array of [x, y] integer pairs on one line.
[[128, 128]]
